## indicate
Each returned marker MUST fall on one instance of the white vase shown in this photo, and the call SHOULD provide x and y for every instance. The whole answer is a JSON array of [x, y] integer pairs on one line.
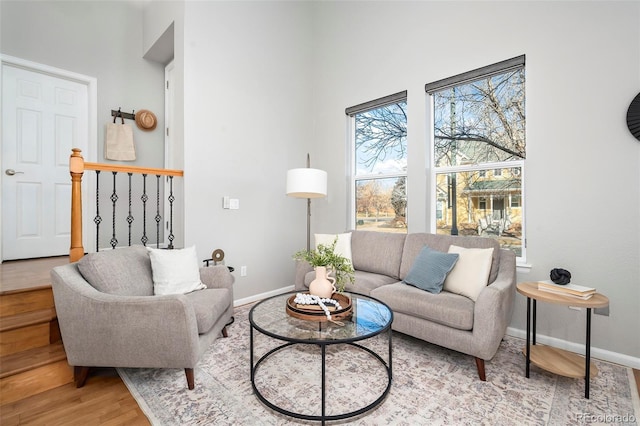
[[323, 285]]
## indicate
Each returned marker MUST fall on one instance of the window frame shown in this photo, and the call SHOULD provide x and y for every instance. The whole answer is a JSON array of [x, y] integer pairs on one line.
[[352, 177], [458, 80]]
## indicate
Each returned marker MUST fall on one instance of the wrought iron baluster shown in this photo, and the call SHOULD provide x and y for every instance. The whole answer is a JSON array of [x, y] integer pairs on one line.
[[158, 217], [130, 217], [97, 219], [171, 200], [144, 199], [114, 198]]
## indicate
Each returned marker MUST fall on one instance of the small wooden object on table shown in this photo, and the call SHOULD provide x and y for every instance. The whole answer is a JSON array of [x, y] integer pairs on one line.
[[315, 313], [557, 360]]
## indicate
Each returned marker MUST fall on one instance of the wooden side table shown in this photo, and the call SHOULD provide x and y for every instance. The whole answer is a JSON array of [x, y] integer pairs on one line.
[[557, 360]]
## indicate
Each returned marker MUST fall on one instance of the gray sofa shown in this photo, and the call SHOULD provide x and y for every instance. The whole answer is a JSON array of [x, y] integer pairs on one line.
[[382, 260], [109, 316]]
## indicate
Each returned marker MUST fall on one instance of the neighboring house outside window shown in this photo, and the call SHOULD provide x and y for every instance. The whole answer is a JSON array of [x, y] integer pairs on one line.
[[478, 153], [378, 164]]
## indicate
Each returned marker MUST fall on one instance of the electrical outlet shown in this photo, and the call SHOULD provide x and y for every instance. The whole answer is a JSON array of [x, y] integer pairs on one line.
[[575, 308], [243, 271]]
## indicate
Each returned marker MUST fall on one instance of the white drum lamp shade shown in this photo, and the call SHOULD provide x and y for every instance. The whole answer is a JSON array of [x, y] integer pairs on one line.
[[306, 183]]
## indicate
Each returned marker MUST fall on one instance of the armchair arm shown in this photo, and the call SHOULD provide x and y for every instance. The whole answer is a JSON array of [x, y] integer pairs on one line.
[[494, 306], [302, 268], [100, 329], [217, 276]]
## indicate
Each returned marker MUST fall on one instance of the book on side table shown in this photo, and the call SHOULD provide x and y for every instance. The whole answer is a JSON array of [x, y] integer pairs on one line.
[[571, 290]]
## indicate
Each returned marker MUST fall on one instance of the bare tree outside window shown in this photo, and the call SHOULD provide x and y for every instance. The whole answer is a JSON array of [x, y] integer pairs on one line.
[[380, 141], [478, 156], [480, 122]]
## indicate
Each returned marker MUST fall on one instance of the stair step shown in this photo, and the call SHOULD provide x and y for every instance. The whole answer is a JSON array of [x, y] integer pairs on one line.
[[28, 330], [26, 319], [32, 382], [31, 359], [23, 301]]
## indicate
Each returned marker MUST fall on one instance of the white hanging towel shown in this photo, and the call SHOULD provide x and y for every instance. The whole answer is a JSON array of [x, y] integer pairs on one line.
[[118, 142]]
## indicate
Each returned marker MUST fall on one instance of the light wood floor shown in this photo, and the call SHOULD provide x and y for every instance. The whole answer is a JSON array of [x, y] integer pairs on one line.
[[104, 400]]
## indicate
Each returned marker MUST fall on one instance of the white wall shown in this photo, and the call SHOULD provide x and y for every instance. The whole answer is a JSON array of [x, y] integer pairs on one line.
[[583, 166], [248, 119], [157, 18]]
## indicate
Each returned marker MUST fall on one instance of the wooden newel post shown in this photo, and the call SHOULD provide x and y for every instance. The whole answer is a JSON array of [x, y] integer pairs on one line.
[[76, 169]]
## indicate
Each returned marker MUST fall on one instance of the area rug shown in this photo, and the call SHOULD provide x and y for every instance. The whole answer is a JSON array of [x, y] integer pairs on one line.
[[431, 386]]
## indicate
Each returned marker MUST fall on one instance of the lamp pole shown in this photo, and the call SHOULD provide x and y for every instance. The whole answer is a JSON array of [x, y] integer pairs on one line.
[[308, 211]]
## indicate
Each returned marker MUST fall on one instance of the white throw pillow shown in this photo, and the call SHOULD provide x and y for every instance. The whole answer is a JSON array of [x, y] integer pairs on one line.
[[175, 271], [470, 273], [343, 246]]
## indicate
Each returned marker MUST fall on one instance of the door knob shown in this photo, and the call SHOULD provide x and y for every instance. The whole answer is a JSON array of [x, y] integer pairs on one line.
[[11, 172]]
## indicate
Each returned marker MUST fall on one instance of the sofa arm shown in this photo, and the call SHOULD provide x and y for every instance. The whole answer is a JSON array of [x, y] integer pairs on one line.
[[100, 329], [494, 306], [217, 277], [302, 268]]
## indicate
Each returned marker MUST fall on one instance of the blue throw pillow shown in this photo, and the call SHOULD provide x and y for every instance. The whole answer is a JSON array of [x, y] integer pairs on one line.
[[430, 269]]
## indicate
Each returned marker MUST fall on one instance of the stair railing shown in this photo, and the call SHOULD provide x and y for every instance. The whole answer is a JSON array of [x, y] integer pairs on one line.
[[77, 166]]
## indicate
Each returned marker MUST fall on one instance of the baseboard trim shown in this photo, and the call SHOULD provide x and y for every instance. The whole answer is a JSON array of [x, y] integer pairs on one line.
[[256, 297], [597, 353]]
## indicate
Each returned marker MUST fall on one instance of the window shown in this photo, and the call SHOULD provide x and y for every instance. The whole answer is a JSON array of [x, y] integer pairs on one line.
[[478, 153], [378, 153], [482, 203]]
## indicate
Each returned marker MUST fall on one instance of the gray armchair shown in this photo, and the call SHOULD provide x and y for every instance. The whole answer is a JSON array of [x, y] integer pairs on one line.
[[109, 316]]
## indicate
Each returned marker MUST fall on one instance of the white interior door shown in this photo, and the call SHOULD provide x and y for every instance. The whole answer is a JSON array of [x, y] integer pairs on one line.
[[43, 117]]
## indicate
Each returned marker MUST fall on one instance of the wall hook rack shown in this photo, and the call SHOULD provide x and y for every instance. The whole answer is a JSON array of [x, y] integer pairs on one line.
[[128, 116]]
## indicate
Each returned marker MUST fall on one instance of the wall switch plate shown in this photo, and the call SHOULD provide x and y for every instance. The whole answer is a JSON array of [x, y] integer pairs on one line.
[[225, 202], [234, 203], [243, 271]]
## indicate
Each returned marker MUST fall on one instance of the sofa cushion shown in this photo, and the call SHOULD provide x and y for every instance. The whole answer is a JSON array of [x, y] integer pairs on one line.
[[415, 242], [378, 252], [364, 281], [124, 271], [430, 269], [209, 305], [448, 309], [343, 245], [471, 272], [175, 271]]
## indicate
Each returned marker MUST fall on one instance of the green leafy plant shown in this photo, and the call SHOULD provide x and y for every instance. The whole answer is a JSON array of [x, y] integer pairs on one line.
[[325, 255]]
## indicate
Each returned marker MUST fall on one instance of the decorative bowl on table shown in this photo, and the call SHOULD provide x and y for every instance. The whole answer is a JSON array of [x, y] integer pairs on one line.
[[314, 312]]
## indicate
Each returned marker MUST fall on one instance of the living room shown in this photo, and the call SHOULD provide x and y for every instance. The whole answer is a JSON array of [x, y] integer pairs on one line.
[[261, 84]]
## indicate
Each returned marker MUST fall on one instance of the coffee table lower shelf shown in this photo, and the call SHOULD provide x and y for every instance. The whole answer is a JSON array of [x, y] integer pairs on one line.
[[559, 361]]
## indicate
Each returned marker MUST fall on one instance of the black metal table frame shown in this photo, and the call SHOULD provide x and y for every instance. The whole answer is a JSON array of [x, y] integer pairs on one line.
[[587, 361], [323, 344]]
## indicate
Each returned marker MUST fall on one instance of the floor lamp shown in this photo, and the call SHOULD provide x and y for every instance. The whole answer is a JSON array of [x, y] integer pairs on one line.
[[307, 183]]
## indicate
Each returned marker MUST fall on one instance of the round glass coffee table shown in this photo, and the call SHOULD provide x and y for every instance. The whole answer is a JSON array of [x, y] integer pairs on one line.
[[370, 318]]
